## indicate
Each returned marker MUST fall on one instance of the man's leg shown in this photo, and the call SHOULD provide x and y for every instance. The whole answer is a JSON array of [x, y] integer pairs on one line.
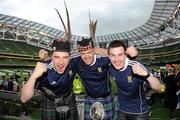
[[144, 116]]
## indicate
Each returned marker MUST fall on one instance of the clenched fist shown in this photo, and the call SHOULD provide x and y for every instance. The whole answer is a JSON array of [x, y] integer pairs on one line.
[[132, 51], [39, 70], [139, 70]]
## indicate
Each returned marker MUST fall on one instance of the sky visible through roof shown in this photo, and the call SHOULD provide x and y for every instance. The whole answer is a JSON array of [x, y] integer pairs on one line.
[[113, 16]]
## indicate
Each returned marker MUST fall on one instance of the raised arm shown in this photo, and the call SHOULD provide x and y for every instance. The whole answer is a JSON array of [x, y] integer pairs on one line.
[[131, 51], [153, 81], [100, 51], [27, 90]]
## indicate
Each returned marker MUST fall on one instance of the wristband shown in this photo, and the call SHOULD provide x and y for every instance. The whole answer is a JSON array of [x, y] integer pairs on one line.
[[147, 76]]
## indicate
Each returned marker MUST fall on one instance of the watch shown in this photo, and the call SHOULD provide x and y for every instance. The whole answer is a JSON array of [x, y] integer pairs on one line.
[[147, 76]]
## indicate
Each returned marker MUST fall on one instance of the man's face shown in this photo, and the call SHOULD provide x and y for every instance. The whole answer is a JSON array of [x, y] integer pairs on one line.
[[117, 57], [87, 56], [60, 61]]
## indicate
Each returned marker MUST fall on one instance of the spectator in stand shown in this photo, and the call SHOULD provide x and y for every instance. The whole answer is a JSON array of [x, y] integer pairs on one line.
[[10, 84], [178, 92], [5, 84], [15, 86], [2, 80], [171, 89], [162, 73]]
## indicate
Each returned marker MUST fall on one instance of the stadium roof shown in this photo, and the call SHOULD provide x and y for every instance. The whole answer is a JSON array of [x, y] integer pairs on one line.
[[162, 25]]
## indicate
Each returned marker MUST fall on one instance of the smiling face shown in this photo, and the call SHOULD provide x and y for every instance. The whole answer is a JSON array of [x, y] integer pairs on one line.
[[117, 54], [60, 61], [87, 56], [117, 57]]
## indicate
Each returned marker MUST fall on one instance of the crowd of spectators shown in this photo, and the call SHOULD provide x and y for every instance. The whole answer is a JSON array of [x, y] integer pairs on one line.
[[12, 82], [170, 78]]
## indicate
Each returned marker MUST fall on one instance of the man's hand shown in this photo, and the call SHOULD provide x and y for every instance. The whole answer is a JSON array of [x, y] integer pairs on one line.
[[43, 55], [39, 70], [139, 70], [132, 51]]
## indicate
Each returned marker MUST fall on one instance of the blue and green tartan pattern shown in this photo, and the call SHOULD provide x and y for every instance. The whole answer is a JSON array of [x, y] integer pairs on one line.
[[107, 102]]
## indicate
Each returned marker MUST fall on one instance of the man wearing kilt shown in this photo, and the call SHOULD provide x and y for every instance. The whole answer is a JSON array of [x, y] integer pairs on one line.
[[93, 71], [54, 78]]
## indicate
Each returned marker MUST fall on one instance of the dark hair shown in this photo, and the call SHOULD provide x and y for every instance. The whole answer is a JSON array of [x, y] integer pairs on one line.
[[62, 46], [116, 43]]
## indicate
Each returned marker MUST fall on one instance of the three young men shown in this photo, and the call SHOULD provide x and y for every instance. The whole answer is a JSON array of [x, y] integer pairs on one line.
[[94, 73]]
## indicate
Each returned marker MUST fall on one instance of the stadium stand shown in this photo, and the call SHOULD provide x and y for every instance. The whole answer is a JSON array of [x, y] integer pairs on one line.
[[161, 55], [17, 47], [18, 53], [158, 41]]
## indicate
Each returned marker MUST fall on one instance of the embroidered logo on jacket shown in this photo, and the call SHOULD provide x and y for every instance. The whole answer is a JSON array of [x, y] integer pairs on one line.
[[129, 78], [99, 69]]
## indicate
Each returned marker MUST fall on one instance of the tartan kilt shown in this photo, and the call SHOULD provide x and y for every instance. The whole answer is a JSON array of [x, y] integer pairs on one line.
[[107, 103], [48, 111]]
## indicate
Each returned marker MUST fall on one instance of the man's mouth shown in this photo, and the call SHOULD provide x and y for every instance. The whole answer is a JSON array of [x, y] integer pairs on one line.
[[60, 67]]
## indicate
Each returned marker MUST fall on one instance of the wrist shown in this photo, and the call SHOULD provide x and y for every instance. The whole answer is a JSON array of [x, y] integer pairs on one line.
[[34, 77], [148, 75]]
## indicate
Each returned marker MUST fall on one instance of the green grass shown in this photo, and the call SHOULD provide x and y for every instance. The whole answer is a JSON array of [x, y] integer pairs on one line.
[[8, 118], [35, 114]]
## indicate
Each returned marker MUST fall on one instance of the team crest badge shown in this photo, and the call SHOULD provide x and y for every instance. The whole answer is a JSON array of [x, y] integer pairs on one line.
[[129, 78], [97, 111], [99, 69]]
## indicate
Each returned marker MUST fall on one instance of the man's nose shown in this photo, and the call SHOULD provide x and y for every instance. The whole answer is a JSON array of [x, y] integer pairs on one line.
[[85, 56], [116, 58], [61, 61]]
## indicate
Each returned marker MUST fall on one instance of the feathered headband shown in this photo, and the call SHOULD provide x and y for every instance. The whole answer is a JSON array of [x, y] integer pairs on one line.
[[63, 44], [87, 43]]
